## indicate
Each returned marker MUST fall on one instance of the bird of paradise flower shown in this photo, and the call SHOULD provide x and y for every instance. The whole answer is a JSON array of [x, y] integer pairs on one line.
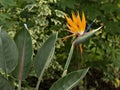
[[77, 26]]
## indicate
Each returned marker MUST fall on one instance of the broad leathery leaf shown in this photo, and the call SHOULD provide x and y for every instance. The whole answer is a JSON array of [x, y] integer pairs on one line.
[[70, 80], [86, 36], [45, 54], [24, 44], [8, 53], [4, 84]]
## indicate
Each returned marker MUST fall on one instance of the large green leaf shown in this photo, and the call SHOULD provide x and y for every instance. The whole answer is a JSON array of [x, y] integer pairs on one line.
[[86, 36], [4, 84], [24, 44], [44, 55], [8, 53], [69, 81]]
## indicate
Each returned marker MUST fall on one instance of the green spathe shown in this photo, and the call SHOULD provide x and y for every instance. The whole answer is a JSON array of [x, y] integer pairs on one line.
[[86, 36]]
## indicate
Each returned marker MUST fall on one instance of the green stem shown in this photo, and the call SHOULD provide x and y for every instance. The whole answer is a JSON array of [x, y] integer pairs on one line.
[[19, 87], [39, 80], [80, 64], [68, 60], [38, 83]]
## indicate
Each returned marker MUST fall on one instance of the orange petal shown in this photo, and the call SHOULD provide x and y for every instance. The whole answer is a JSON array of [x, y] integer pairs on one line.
[[79, 22], [71, 23], [83, 22], [71, 29], [74, 18]]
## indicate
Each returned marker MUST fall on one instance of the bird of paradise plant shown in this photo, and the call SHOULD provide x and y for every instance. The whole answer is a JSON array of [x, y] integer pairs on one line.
[[77, 26]]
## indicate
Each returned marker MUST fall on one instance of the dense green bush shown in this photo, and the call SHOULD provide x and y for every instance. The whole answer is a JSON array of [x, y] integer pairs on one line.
[[44, 17]]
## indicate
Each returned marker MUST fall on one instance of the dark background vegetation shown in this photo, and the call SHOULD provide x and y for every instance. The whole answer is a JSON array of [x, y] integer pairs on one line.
[[43, 17]]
